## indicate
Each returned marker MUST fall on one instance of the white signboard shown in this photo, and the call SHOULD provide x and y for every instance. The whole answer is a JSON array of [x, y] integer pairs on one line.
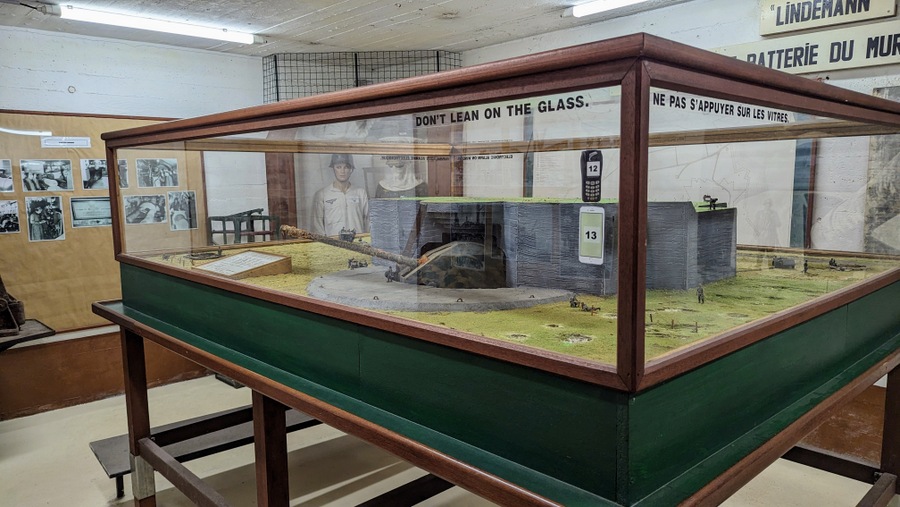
[[780, 16], [65, 142], [246, 264], [845, 48]]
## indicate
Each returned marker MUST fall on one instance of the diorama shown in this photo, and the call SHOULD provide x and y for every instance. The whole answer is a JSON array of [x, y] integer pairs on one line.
[[526, 266]]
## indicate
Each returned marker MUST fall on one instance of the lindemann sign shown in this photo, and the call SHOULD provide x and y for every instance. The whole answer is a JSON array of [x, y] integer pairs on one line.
[[780, 16]]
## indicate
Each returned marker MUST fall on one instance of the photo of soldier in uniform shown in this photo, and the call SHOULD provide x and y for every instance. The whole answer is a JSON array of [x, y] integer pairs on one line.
[[93, 174], [45, 219], [340, 206], [9, 217]]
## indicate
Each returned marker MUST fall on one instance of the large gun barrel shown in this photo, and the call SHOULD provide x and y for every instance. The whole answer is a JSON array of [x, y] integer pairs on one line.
[[364, 248]]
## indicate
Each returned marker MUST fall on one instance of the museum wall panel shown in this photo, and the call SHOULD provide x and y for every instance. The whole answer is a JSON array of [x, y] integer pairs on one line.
[[57, 273]]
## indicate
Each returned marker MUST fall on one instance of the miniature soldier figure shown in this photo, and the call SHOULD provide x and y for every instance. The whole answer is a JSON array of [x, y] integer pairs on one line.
[[701, 298]]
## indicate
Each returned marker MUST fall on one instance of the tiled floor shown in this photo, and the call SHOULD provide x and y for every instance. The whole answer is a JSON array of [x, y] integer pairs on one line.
[[45, 460]]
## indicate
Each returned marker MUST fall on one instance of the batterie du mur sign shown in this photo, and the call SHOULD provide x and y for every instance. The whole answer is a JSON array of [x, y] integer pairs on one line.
[[780, 16], [844, 48]]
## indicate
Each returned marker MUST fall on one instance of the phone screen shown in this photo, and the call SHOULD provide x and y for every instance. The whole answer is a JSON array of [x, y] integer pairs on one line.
[[590, 229]]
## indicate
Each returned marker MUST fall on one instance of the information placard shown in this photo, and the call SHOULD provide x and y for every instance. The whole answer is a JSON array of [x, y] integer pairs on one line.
[[590, 239], [248, 264]]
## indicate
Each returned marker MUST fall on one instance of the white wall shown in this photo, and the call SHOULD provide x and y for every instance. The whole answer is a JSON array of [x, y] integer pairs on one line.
[[841, 181], [701, 23], [54, 72]]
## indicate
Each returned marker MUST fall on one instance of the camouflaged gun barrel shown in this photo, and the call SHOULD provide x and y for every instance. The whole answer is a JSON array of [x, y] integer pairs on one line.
[[363, 248]]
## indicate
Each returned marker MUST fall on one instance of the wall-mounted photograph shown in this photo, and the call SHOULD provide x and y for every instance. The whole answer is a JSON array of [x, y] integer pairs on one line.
[[157, 172], [182, 211], [90, 212], [45, 219], [46, 175], [123, 173], [94, 175], [6, 182], [9, 217], [145, 209]]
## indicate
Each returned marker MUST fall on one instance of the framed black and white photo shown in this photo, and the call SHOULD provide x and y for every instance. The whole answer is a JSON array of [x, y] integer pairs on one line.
[[6, 179], [182, 210], [45, 219], [145, 209], [9, 217], [46, 175], [90, 212], [123, 173], [157, 172], [94, 175]]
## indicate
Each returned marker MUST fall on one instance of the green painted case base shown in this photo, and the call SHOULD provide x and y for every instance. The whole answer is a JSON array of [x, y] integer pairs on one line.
[[570, 441]]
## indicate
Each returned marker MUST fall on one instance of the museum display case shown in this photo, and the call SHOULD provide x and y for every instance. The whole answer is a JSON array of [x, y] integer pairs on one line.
[[526, 266]]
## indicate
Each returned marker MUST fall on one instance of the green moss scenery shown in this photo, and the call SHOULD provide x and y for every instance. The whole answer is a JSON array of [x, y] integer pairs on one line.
[[674, 318]]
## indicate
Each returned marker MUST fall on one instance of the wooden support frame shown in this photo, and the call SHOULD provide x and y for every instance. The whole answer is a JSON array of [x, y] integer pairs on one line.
[[138, 413], [271, 399], [270, 443]]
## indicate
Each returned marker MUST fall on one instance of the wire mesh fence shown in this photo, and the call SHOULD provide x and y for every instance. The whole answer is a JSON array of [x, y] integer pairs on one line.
[[291, 75]]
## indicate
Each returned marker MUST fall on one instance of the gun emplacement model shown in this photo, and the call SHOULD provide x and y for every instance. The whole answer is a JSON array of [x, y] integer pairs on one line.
[[364, 248], [456, 265]]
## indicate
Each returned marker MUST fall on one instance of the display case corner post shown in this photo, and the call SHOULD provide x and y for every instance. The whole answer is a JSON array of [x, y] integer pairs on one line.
[[634, 124], [112, 165], [890, 450], [270, 445], [138, 415]]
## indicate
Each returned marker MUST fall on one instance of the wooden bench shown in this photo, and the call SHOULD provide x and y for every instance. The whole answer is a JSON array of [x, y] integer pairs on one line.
[[190, 439], [202, 436]]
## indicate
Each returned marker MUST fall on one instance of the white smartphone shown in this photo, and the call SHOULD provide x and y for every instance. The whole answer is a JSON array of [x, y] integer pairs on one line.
[[590, 234]]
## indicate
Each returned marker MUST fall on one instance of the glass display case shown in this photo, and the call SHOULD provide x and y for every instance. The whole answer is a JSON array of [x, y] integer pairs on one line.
[[526, 265]]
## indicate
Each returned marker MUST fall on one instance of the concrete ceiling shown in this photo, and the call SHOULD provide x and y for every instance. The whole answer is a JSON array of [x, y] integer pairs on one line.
[[293, 26]]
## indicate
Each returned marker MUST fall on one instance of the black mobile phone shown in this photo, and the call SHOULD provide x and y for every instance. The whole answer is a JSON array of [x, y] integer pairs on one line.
[[591, 171]]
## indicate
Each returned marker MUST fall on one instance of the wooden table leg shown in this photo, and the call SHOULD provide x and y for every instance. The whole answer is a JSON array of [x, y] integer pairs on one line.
[[890, 443], [270, 441], [142, 483]]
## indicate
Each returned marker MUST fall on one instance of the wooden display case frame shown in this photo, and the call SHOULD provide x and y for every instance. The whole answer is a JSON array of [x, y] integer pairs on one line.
[[634, 389]]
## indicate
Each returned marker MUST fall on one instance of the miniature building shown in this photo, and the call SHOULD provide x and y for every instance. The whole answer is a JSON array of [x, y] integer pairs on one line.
[[684, 247]]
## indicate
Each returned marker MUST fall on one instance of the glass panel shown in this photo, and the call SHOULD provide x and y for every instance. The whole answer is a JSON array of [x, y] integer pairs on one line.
[[755, 210], [472, 218]]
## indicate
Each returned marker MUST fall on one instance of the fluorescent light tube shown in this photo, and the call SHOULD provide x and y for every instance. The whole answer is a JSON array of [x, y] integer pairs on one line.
[[600, 6], [26, 132], [123, 20]]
